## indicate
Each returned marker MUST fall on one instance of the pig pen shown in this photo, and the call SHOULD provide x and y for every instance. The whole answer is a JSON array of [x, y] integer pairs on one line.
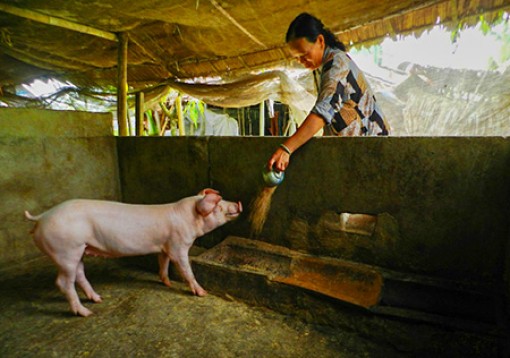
[[399, 248]]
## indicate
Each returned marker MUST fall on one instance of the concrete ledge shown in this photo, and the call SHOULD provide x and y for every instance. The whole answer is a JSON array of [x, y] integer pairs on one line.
[[19, 122]]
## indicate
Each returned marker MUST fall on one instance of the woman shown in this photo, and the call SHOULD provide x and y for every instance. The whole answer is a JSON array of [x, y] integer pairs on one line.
[[345, 106]]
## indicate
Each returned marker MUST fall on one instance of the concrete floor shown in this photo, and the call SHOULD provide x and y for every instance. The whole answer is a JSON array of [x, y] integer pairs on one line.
[[139, 317]]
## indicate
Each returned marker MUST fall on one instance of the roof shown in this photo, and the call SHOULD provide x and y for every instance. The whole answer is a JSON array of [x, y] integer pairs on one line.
[[172, 40]]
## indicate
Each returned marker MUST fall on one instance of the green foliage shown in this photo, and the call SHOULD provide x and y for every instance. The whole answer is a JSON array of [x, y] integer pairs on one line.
[[455, 35], [487, 26], [377, 54], [503, 37], [151, 124], [484, 25], [193, 110]]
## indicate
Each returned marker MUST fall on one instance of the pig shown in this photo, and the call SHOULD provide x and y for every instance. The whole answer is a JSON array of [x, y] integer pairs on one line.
[[79, 227]]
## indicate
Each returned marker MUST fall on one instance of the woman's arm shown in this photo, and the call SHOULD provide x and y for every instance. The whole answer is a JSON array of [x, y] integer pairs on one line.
[[311, 125]]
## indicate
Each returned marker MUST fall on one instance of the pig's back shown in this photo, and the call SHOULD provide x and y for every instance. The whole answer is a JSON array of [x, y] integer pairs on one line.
[[111, 227]]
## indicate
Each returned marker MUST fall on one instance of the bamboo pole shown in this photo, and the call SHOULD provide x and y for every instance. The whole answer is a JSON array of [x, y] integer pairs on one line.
[[131, 130], [180, 116], [168, 116], [157, 121], [243, 119], [139, 110], [122, 85], [261, 119], [55, 21], [237, 24]]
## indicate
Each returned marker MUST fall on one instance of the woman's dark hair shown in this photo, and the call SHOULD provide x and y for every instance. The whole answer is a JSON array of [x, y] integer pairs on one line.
[[310, 27]]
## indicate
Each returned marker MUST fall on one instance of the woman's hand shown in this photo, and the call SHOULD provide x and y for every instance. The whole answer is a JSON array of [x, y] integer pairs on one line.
[[281, 157], [279, 160]]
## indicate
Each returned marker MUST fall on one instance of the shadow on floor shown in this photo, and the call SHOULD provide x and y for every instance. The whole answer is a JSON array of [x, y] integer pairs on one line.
[[141, 317]]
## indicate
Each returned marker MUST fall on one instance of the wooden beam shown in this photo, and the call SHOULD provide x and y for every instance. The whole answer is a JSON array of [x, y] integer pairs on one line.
[[122, 86], [55, 21]]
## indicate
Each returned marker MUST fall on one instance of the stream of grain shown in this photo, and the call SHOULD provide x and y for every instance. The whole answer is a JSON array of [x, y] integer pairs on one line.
[[260, 208]]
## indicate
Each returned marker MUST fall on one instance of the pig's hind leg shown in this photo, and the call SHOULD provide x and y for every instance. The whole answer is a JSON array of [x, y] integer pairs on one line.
[[67, 273], [85, 284], [164, 262]]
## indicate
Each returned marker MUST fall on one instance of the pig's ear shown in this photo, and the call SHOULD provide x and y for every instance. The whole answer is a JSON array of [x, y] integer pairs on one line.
[[208, 191], [206, 205]]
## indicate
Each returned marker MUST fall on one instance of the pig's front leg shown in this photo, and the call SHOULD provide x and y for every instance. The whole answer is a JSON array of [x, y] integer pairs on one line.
[[164, 261], [181, 260]]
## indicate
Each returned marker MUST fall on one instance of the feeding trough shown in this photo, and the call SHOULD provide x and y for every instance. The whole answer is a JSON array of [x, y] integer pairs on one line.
[[354, 283], [274, 275]]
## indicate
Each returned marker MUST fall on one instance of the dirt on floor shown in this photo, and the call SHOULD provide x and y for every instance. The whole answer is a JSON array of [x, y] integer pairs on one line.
[[140, 317]]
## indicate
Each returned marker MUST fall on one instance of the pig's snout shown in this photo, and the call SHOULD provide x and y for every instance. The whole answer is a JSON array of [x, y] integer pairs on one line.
[[234, 209]]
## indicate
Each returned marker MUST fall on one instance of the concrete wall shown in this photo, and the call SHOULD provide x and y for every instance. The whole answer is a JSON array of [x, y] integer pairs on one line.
[[47, 157], [442, 204]]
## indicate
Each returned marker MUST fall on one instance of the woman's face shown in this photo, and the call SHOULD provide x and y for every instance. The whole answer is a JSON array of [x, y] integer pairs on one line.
[[309, 54]]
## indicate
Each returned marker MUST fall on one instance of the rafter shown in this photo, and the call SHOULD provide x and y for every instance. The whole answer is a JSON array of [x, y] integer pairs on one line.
[[55, 21]]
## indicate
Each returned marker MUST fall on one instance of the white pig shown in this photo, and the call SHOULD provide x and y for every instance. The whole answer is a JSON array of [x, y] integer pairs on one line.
[[76, 228]]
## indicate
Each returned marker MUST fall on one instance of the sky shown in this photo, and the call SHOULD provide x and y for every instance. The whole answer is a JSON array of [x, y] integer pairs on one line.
[[472, 50]]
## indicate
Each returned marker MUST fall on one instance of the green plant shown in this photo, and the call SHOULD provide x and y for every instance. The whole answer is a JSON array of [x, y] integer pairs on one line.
[[194, 110], [152, 128]]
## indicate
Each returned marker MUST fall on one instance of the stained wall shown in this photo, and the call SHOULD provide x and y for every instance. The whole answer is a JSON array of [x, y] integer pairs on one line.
[[441, 204], [47, 157]]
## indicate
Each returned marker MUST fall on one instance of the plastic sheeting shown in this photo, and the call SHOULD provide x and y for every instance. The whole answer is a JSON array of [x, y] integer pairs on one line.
[[431, 101], [416, 100], [275, 85], [211, 123]]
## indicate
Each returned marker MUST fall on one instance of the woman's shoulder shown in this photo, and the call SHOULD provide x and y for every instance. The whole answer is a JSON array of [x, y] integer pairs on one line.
[[336, 60], [338, 55]]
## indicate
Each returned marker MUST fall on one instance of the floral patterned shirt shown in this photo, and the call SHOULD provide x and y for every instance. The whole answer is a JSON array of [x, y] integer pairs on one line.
[[346, 101]]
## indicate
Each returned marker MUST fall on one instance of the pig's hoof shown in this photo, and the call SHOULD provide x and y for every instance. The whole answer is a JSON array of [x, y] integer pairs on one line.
[[96, 299], [200, 292], [84, 312], [166, 282]]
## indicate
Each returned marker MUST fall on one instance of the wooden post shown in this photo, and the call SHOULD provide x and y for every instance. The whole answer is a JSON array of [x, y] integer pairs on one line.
[[242, 129], [139, 111], [261, 119], [122, 117], [180, 116]]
